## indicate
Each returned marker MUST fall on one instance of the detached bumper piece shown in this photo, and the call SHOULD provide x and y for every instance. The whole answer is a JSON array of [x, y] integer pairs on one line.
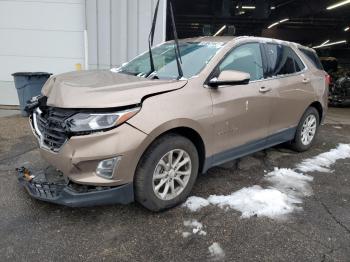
[[51, 186]]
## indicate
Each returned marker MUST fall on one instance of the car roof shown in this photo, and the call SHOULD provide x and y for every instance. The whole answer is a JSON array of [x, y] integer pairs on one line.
[[209, 39], [226, 39]]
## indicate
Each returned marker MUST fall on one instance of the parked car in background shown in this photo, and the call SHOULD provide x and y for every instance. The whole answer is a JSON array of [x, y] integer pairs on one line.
[[145, 131], [339, 86], [330, 64], [340, 91]]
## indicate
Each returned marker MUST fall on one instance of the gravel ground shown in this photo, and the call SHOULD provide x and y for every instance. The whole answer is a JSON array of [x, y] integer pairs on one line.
[[31, 230]]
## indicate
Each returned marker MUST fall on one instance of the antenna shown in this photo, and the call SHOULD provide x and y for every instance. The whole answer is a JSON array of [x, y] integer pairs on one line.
[[151, 37], [177, 48]]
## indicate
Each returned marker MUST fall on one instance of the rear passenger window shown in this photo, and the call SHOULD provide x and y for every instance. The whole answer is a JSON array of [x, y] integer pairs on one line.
[[312, 56], [245, 58], [299, 65], [282, 60]]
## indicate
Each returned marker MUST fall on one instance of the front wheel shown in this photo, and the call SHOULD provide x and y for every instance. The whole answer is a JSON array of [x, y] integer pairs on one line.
[[166, 172], [306, 131]]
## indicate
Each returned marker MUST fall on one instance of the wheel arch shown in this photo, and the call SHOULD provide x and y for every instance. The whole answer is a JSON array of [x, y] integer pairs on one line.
[[187, 130], [194, 137], [318, 106]]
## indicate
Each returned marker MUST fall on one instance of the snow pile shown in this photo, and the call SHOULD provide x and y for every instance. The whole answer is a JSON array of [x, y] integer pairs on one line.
[[287, 189], [283, 196], [286, 192], [186, 234], [195, 227], [323, 161], [194, 203], [216, 252], [290, 182], [257, 201]]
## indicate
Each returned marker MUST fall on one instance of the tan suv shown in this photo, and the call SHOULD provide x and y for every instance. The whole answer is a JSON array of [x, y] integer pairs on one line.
[[137, 133]]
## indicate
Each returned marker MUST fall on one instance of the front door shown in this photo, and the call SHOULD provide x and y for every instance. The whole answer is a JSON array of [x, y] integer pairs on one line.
[[241, 112]]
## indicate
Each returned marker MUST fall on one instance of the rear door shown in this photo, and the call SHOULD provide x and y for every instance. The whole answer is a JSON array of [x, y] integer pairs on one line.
[[291, 89], [241, 112], [318, 75]]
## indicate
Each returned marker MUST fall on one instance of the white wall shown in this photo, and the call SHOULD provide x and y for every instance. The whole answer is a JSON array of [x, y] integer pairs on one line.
[[44, 35], [48, 35], [118, 29]]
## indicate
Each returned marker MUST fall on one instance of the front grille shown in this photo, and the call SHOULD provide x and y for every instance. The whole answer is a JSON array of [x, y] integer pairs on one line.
[[51, 127], [47, 190], [47, 184]]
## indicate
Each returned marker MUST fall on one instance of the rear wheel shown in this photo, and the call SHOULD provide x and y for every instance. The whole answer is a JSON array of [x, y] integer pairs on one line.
[[166, 172], [306, 131]]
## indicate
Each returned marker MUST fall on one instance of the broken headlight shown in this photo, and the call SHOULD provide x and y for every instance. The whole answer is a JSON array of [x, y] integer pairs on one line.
[[85, 122]]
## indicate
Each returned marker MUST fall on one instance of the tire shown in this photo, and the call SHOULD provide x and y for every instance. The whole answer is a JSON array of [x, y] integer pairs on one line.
[[150, 166], [297, 143]]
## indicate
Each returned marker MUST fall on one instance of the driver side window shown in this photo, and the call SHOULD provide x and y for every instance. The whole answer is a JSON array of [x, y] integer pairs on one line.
[[245, 58]]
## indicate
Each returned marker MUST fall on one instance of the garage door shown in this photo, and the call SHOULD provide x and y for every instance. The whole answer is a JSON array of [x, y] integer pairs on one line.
[[39, 36]]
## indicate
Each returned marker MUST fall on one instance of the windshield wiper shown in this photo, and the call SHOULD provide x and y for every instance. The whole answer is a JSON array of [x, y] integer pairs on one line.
[[151, 38], [176, 47]]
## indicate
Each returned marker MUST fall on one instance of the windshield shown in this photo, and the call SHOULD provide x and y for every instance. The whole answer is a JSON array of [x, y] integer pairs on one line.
[[195, 56]]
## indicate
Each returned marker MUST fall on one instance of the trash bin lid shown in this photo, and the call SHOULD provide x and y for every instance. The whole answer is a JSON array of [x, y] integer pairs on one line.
[[31, 74]]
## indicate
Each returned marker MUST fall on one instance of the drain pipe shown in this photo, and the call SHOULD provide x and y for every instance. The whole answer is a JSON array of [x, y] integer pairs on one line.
[[86, 51], [86, 41]]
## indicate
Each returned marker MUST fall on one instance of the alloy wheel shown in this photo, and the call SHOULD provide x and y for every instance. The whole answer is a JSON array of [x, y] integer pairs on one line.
[[172, 174], [309, 130]]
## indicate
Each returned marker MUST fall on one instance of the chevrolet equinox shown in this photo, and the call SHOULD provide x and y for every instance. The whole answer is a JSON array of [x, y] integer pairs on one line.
[[144, 131]]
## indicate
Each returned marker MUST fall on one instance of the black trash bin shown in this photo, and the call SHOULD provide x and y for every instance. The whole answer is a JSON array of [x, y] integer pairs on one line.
[[28, 84]]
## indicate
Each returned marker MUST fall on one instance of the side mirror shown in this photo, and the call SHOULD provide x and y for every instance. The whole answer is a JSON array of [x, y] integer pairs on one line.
[[230, 78]]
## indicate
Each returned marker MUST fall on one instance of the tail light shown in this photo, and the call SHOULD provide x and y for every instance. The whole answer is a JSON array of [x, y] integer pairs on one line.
[[328, 79]]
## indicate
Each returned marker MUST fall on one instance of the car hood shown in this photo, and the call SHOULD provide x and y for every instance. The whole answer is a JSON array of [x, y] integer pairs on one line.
[[102, 89]]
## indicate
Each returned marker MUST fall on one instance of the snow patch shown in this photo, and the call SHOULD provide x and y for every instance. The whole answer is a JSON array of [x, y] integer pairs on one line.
[[202, 233], [195, 226], [322, 162], [290, 182], [216, 252], [257, 201], [283, 196], [337, 127], [186, 234], [194, 203]]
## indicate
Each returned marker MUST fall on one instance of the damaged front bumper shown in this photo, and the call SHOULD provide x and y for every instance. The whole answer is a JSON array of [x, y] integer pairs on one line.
[[51, 186]]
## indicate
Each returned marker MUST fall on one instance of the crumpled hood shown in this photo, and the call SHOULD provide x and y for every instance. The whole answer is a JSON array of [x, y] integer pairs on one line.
[[102, 89]]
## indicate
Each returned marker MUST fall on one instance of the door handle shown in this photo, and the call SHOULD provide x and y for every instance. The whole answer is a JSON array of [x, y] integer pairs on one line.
[[264, 89], [306, 80]]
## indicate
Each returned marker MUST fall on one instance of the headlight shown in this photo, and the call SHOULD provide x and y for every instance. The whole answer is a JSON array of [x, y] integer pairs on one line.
[[83, 122]]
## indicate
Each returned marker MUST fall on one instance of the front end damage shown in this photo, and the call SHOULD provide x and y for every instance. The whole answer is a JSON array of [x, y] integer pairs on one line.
[[81, 124], [71, 178], [50, 185]]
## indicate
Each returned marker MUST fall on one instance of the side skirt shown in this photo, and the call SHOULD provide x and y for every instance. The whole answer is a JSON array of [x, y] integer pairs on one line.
[[249, 148]]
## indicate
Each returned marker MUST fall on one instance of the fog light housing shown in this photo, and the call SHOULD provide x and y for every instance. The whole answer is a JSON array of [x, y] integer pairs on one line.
[[106, 167]]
